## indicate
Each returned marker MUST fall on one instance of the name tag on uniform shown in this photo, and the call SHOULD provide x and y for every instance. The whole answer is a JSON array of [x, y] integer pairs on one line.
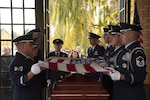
[[20, 68], [95, 53]]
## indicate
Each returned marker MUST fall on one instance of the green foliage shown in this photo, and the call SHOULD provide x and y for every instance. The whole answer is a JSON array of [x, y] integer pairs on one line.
[[5, 35], [71, 20]]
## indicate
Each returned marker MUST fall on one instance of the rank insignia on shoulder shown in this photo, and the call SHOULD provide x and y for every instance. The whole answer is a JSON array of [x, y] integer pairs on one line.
[[140, 61], [20, 68]]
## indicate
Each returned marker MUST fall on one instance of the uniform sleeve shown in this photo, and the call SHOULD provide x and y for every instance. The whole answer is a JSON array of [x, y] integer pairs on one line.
[[101, 50], [137, 70], [17, 76], [87, 52], [49, 54]]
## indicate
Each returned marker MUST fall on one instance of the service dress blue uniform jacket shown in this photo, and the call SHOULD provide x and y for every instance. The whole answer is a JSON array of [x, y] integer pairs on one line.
[[56, 75], [22, 88], [131, 63], [108, 52], [107, 82], [98, 51], [114, 57]]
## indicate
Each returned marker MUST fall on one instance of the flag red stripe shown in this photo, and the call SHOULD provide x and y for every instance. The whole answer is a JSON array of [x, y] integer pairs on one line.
[[53, 66], [88, 68], [140, 40], [60, 60], [71, 67], [140, 33]]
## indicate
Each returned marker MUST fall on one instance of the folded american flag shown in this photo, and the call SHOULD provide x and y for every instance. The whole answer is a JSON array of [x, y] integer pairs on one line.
[[78, 65]]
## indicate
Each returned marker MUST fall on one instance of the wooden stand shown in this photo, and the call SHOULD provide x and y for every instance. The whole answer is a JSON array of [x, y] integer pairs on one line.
[[79, 87]]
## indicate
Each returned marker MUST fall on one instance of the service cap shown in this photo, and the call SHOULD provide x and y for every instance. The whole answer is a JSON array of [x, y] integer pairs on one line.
[[58, 42], [115, 30], [37, 30], [23, 39], [106, 30], [129, 27], [93, 35]]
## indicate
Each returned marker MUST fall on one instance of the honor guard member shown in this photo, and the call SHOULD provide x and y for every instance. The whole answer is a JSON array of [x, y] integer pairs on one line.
[[105, 79], [94, 52], [110, 48], [27, 82], [130, 72], [117, 44], [109, 52], [118, 48], [55, 75], [37, 36]]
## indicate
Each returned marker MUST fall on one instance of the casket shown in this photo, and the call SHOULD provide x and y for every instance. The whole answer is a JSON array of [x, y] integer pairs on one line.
[[79, 87]]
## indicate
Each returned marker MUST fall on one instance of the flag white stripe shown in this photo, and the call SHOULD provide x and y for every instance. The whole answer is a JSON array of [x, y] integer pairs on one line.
[[101, 69], [66, 61], [97, 68], [62, 67], [54, 60], [80, 68], [94, 66], [43, 64]]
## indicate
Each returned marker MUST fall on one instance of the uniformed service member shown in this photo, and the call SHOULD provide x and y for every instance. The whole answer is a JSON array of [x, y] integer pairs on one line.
[[117, 43], [37, 36], [105, 79], [118, 48], [57, 45], [130, 72], [94, 51], [26, 79], [55, 75], [110, 48]]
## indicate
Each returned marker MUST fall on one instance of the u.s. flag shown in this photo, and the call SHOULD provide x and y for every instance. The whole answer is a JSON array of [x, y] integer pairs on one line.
[[137, 22], [88, 65]]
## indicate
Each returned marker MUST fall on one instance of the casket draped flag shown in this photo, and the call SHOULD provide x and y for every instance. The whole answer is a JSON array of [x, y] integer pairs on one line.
[[87, 65]]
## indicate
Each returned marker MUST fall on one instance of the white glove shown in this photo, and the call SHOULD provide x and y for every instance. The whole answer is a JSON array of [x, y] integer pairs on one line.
[[43, 64], [115, 76], [40, 62], [110, 69], [35, 69]]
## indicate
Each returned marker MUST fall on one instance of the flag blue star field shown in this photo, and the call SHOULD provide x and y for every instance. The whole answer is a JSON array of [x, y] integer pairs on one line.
[[137, 22]]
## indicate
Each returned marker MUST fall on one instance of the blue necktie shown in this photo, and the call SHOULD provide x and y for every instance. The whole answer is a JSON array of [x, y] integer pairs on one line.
[[57, 54], [91, 50]]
